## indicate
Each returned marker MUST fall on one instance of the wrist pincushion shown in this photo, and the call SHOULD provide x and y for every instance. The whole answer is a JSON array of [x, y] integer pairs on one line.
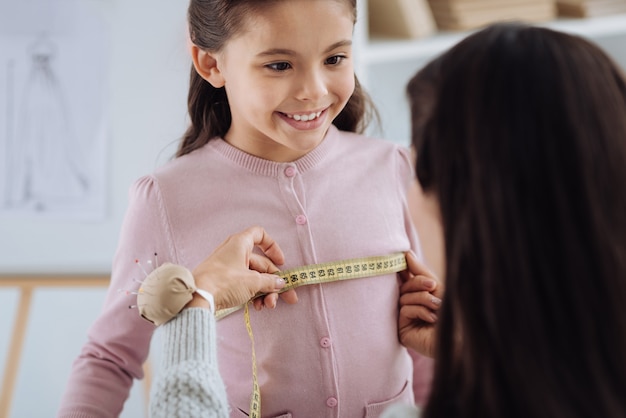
[[165, 292]]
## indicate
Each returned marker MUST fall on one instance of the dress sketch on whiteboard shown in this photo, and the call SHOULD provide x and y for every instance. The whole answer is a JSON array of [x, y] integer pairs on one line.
[[8, 131], [45, 166]]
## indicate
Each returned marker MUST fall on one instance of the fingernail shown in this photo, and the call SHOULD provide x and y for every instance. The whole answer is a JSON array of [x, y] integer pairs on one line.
[[434, 317], [436, 300], [280, 283], [429, 283]]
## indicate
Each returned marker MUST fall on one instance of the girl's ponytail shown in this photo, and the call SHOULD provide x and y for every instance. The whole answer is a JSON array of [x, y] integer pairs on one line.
[[211, 24], [358, 113], [209, 114]]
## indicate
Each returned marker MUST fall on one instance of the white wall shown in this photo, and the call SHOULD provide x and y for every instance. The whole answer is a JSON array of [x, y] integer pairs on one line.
[[147, 103]]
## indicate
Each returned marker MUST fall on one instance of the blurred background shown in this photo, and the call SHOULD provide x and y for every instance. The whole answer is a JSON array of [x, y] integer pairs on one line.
[[101, 86]]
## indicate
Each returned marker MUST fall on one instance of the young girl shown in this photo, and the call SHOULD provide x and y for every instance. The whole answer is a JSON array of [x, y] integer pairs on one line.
[[274, 107]]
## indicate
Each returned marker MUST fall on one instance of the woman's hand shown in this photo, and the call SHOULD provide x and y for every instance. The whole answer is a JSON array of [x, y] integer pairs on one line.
[[420, 298], [234, 274]]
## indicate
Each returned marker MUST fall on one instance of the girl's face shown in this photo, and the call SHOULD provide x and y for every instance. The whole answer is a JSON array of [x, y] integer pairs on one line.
[[287, 75]]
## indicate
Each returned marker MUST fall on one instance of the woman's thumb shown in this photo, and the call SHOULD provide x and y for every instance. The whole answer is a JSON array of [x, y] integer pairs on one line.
[[270, 283]]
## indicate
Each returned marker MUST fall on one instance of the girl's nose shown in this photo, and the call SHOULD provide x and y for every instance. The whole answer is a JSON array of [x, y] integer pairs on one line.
[[312, 86]]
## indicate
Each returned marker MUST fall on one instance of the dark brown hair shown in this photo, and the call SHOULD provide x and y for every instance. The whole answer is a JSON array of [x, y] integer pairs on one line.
[[211, 24], [520, 133]]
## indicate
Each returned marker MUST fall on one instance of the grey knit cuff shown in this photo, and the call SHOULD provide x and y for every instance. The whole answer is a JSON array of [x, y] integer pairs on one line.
[[189, 336]]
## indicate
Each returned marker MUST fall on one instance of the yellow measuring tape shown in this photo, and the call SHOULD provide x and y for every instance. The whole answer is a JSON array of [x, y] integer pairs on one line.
[[355, 268]]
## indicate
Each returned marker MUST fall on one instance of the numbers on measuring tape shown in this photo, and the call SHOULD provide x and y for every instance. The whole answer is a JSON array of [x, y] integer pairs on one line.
[[343, 270], [334, 271]]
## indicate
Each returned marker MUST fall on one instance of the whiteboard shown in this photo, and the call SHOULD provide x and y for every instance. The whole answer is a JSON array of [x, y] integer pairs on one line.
[[146, 79]]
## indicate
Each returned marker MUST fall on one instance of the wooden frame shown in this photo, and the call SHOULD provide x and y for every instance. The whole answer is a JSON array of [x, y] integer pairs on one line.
[[27, 284]]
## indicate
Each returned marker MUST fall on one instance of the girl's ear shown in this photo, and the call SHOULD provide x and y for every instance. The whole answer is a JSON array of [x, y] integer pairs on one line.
[[206, 65]]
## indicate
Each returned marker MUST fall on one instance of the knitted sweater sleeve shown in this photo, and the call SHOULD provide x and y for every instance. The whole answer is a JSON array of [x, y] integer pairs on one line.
[[189, 384]]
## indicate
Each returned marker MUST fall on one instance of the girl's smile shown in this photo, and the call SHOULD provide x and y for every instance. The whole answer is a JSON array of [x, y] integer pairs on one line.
[[305, 121]]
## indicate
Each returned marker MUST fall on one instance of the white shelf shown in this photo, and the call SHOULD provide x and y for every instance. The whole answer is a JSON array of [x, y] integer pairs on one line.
[[384, 50], [384, 66], [377, 51], [597, 27]]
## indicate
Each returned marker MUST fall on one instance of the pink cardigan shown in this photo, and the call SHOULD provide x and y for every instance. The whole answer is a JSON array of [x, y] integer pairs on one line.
[[333, 354]]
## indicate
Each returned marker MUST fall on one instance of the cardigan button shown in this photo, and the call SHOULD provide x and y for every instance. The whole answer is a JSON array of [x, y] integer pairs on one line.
[[325, 342], [290, 171], [332, 402], [301, 219]]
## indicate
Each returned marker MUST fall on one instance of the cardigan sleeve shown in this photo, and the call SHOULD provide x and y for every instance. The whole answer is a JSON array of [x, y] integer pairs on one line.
[[423, 367], [119, 339], [189, 384]]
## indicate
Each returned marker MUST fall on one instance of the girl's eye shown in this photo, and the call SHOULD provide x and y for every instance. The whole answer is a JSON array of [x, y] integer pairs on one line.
[[335, 59], [279, 66]]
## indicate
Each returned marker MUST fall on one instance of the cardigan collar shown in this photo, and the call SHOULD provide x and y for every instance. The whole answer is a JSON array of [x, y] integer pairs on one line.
[[273, 168]]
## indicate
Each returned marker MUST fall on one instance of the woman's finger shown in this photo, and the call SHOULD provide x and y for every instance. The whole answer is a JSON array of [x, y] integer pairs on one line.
[[419, 284], [261, 264], [415, 267], [269, 283], [269, 301], [289, 296], [418, 278], [258, 303], [258, 237], [417, 312], [425, 299]]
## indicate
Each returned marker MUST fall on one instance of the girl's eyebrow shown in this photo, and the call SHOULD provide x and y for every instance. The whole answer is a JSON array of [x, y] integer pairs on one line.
[[284, 51]]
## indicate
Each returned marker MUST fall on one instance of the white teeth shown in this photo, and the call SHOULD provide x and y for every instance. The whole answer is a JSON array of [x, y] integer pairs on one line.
[[305, 118]]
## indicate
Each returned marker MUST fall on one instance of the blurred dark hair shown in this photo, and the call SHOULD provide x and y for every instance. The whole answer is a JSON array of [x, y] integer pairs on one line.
[[520, 134], [211, 24]]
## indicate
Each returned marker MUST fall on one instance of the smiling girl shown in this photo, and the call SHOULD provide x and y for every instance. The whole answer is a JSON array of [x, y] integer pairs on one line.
[[275, 111]]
